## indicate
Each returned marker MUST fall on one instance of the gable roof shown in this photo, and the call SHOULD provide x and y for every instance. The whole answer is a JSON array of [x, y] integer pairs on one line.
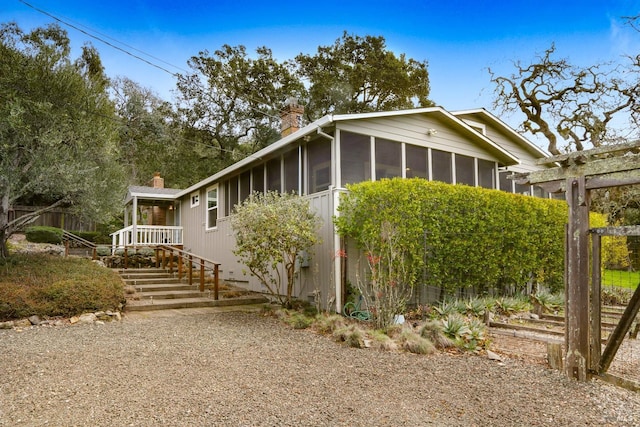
[[317, 126], [151, 193], [499, 123]]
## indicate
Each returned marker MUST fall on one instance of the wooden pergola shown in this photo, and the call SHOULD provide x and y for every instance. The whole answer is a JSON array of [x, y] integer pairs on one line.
[[577, 174]]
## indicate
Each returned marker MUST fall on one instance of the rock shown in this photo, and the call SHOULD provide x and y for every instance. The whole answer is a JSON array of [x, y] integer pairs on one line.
[[6, 325], [493, 356], [74, 320], [100, 263], [22, 323], [87, 318], [35, 320], [99, 322], [101, 315], [534, 316]]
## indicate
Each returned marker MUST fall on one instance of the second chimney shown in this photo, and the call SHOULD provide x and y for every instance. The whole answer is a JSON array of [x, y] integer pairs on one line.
[[291, 117]]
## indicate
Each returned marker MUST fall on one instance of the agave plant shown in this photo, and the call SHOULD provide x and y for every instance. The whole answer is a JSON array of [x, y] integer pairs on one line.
[[455, 327]]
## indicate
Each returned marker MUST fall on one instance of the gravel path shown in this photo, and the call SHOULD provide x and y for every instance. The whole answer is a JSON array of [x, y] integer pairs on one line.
[[242, 369]]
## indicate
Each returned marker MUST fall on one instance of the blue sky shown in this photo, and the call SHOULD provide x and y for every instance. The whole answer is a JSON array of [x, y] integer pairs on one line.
[[459, 39]]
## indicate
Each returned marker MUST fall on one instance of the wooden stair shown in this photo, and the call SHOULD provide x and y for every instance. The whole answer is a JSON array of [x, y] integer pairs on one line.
[[158, 289]]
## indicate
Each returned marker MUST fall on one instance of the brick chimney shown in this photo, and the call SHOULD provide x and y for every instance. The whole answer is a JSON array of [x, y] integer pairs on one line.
[[291, 117], [157, 181]]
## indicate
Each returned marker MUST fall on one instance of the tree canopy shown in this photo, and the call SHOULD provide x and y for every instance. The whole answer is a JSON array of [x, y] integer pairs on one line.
[[359, 74], [57, 131]]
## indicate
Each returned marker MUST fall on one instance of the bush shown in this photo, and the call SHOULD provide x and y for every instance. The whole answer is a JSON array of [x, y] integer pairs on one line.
[[456, 236], [50, 286], [43, 234]]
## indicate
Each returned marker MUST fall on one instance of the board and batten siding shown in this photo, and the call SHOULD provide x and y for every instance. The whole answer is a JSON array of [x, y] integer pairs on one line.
[[218, 244]]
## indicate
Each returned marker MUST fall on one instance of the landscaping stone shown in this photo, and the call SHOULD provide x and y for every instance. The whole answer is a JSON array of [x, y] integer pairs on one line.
[[87, 318], [35, 320]]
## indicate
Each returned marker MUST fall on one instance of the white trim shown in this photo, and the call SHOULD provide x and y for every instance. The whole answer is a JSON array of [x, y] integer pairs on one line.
[[194, 199], [217, 207]]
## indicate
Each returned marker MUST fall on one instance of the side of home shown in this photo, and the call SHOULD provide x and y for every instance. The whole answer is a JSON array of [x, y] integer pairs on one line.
[[317, 161]]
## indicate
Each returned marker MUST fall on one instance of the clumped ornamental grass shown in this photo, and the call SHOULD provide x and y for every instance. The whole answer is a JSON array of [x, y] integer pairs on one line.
[[50, 286]]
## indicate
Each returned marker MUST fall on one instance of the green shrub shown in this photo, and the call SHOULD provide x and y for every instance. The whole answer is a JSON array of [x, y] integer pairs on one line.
[[415, 343], [352, 335], [52, 286], [299, 320], [43, 234], [433, 331], [455, 236]]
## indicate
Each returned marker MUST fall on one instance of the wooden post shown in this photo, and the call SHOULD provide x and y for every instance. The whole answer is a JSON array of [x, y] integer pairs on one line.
[[157, 251], [216, 269], [94, 254], [577, 292], [164, 258], [171, 261], [66, 248], [190, 270], [201, 275], [595, 333], [554, 355], [126, 258], [179, 266]]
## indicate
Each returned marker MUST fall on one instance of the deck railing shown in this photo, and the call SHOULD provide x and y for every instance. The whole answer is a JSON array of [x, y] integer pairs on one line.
[[147, 235]]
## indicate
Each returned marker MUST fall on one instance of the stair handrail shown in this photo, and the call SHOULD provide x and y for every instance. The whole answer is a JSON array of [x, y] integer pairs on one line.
[[70, 237], [189, 258]]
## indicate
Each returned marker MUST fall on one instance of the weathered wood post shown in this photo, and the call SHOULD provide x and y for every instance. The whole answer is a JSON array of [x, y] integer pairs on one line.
[[577, 286], [201, 275]]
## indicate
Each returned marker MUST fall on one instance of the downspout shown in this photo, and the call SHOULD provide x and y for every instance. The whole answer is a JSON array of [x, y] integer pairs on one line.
[[337, 260]]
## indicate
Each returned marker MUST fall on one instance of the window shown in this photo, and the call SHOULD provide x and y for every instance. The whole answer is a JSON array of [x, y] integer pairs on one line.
[[465, 170], [441, 164], [319, 160], [274, 175], [417, 162], [486, 174], [233, 194], [355, 157], [388, 158], [523, 189], [195, 199], [245, 185], [291, 163], [506, 184], [212, 207], [258, 178]]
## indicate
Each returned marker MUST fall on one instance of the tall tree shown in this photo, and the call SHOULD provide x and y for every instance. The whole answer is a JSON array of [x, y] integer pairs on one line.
[[56, 128], [359, 74], [149, 135], [231, 100], [558, 99]]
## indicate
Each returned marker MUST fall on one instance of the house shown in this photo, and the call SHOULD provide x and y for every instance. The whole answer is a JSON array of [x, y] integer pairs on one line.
[[317, 161]]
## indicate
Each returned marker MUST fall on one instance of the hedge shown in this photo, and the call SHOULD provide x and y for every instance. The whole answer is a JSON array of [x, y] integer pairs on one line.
[[460, 237], [44, 234]]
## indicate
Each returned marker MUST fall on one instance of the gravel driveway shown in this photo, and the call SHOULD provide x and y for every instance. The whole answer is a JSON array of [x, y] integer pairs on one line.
[[227, 368]]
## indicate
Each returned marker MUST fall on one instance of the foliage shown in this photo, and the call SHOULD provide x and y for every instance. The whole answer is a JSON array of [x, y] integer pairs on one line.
[[614, 250], [612, 295], [43, 234], [359, 74], [272, 230], [414, 343], [559, 99], [548, 302], [57, 130], [351, 334], [621, 279], [453, 237], [230, 100], [48, 286]]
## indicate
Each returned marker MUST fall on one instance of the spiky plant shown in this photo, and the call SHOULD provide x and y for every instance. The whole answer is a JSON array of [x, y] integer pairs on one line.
[[455, 327], [433, 331], [352, 335], [414, 343]]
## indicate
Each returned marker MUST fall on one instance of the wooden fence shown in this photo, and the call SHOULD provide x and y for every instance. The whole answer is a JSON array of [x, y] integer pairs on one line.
[[58, 217]]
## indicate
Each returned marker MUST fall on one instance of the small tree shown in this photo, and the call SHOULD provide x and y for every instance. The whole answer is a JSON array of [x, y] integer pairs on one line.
[[272, 230]]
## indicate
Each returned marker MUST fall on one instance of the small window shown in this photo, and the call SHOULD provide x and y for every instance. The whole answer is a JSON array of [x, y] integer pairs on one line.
[[195, 199], [212, 207]]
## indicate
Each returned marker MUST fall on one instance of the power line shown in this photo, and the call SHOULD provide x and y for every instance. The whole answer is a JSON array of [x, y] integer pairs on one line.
[[44, 12]]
